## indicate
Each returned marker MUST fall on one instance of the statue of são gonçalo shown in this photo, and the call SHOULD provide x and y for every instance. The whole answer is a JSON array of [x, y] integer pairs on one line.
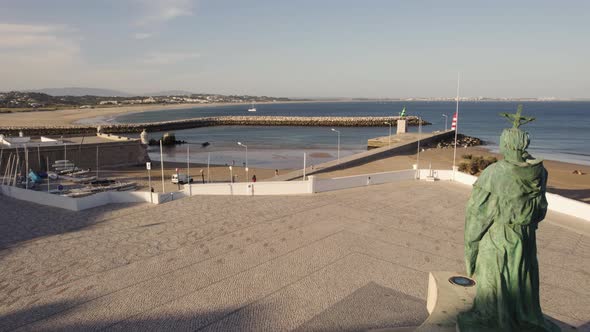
[[506, 205]]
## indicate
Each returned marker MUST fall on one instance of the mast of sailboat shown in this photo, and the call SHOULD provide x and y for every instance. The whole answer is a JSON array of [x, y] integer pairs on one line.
[[456, 127]]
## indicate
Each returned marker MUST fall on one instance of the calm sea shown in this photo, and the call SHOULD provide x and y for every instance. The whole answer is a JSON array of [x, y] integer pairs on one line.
[[561, 131]]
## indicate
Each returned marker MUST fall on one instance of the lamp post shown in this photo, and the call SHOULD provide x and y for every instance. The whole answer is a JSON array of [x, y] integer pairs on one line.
[[446, 118], [208, 163], [244, 145], [338, 132], [231, 175], [389, 123]]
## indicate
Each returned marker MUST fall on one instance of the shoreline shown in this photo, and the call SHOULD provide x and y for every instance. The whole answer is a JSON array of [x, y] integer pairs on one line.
[[71, 116]]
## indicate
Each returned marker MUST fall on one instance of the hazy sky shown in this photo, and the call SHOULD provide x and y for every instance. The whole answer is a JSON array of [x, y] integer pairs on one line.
[[364, 48]]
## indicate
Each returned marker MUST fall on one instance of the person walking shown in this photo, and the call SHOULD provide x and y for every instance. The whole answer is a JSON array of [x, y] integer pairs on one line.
[[254, 178]]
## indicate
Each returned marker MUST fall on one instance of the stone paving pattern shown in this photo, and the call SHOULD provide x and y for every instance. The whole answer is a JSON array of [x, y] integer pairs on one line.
[[348, 260]]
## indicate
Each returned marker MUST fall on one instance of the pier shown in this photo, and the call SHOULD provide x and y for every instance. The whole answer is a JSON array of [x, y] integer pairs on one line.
[[210, 122], [400, 144]]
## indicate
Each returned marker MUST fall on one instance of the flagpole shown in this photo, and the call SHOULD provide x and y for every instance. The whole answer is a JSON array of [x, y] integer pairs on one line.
[[456, 127]]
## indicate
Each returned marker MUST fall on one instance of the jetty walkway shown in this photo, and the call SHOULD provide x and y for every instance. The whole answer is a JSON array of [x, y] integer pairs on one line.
[[400, 144], [120, 128]]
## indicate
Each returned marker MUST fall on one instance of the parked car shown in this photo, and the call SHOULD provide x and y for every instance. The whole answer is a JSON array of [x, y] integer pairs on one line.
[[181, 178]]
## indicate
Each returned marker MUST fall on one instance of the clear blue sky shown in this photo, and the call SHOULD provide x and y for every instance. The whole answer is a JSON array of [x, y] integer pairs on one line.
[[321, 48]]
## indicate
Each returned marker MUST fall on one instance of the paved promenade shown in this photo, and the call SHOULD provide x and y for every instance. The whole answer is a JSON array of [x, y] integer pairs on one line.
[[347, 260]]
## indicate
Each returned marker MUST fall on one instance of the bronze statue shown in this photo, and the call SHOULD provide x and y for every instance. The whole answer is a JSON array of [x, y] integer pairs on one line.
[[506, 205]]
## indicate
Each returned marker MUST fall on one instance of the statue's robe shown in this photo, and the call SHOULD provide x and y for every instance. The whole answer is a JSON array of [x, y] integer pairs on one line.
[[506, 204]]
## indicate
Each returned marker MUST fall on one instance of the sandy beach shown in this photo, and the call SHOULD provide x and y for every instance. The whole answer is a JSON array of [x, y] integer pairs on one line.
[[67, 117]]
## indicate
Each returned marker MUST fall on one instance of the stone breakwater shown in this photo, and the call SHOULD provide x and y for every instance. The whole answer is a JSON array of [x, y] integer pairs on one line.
[[212, 121]]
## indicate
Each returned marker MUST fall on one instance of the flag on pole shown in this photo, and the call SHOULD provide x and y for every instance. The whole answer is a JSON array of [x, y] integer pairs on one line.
[[454, 125], [402, 114]]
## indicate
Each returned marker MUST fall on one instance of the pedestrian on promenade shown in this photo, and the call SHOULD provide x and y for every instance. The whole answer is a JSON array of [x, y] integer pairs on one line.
[[276, 172], [254, 178]]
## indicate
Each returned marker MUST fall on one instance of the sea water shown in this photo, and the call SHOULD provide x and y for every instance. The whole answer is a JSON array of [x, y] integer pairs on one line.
[[560, 132]]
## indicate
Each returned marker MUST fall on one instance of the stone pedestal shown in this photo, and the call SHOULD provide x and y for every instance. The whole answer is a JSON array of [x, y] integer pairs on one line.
[[401, 127], [445, 301]]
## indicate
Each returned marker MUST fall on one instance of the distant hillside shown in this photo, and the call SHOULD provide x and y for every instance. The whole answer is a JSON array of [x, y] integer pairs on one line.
[[77, 92], [170, 93]]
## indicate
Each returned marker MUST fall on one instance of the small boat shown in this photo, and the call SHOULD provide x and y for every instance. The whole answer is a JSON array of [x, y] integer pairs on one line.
[[252, 108], [77, 179], [111, 185], [102, 182], [67, 170], [76, 171], [63, 166]]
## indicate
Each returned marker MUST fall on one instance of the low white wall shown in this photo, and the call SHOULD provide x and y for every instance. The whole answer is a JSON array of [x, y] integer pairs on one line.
[[464, 178], [159, 198], [556, 203], [250, 188], [112, 197], [215, 189], [322, 185], [83, 203], [88, 202], [38, 197], [568, 206], [280, 188]]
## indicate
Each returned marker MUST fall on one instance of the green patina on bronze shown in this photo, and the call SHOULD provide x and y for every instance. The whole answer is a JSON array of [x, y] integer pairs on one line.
[[506, 205]]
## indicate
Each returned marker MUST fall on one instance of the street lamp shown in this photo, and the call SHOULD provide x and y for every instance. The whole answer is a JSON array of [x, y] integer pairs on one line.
[[338, 132], [389, 123], [244, 145], [446, 118]]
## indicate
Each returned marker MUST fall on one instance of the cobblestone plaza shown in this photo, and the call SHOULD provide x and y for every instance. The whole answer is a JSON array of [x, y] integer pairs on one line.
[[347, 260]]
